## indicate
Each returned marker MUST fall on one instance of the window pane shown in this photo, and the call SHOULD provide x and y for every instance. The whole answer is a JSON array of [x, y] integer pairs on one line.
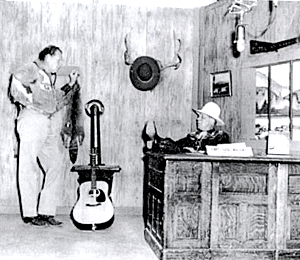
[[278, 78], [296, 101], [261, 119], [280, 103]]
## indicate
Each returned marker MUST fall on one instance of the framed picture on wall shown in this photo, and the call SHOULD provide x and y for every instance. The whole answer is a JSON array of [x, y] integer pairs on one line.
[[220, 84]]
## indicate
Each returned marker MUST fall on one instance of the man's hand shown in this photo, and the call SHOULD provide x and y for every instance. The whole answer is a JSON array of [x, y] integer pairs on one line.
[[66, 140], [74, 75]]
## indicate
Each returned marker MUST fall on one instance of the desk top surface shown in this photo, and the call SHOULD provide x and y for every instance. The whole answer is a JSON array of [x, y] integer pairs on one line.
[[204, 157]]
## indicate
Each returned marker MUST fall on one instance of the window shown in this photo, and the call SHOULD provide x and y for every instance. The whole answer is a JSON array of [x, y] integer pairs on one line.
[[278, 100]]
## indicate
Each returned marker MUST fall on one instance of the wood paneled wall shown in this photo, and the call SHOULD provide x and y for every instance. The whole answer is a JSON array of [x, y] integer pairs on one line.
[[92, 37], [216, 54]]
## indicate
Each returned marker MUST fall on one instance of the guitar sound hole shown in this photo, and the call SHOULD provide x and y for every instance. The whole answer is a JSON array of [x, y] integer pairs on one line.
[[98, 194], [101, 197]]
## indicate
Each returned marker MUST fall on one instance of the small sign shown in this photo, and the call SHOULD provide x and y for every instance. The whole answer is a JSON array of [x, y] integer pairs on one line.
[[278, 142], [235, 149]]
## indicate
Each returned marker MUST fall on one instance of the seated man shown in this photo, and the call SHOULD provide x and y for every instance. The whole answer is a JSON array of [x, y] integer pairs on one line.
[[206, 134]]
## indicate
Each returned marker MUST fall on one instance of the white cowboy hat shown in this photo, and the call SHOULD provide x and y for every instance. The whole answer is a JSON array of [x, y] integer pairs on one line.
[[211, 109]]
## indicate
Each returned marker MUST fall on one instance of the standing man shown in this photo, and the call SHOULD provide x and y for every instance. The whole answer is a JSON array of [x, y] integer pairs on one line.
[[39, 124]]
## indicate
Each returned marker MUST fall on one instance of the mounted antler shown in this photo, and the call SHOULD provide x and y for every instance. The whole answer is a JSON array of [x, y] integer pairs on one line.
[[127, 56], [175, 62]]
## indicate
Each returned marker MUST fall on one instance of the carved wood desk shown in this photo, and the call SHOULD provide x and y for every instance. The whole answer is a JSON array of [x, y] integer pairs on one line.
[[222, 208]]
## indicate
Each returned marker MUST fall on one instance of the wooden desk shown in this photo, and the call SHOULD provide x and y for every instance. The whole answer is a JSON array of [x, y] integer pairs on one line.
[[222, 208]]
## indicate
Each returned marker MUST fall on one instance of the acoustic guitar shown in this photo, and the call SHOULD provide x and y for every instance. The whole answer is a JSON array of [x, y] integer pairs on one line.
[[94, 208]]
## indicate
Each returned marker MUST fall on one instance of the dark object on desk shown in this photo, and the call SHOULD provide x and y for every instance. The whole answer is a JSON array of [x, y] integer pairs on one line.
[[94, 208]]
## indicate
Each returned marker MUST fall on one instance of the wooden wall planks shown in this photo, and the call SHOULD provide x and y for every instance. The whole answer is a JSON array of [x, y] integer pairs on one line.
[[216, 43], [92, 37]]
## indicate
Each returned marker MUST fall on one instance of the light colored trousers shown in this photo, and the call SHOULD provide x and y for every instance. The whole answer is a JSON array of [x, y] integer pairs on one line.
[[39, 147]]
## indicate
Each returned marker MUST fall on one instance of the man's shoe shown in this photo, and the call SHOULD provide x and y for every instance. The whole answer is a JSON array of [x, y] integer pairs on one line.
[[150, 136], [28, 220], [39, 221], [50, 220]]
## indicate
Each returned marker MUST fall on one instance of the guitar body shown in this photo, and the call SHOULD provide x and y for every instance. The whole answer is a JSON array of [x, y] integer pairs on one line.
[[94, 209]]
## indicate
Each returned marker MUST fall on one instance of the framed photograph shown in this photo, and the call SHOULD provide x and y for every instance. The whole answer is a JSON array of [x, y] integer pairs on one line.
[[220, 84]]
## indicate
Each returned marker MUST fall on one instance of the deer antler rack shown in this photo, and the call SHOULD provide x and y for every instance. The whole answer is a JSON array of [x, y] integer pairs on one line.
[[174, 63]]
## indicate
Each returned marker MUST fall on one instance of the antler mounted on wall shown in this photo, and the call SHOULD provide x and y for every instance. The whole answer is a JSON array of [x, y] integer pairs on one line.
[[173, 63], [145, 71]]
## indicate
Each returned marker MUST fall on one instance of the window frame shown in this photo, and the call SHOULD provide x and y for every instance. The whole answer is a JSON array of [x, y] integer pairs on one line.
[[290, 114]]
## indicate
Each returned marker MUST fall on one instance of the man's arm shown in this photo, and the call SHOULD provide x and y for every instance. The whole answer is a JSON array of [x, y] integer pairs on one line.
[[65, 94], [20, 84], [20, 93]]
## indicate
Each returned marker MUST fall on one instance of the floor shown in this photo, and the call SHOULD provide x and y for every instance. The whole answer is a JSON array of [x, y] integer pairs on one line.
[[123, 240]]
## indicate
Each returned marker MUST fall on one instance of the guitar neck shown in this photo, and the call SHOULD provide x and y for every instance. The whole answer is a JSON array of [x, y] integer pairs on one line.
[[93, 179], [94, 156]]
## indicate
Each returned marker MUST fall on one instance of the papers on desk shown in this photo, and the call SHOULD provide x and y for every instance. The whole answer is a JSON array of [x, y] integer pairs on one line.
[[192, 150], [234, 149]]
